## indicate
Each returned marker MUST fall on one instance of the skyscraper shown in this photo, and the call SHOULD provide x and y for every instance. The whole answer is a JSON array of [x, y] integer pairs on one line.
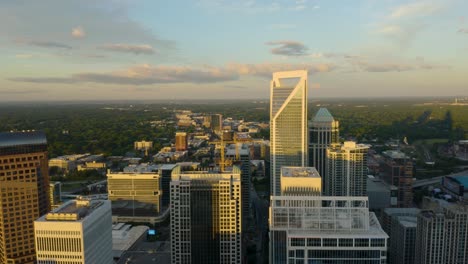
[[206, 216], [346, 171], [288, 124], [308, 228], [216, 122], [181, 141], [24, 193], [243, 162], [323, 131], [78, 232], [442, 233], [397, 169], [135, 194]]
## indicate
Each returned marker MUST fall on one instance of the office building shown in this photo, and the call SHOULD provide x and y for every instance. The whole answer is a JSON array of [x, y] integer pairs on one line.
[[323, 131], [144, 146], [216, 122], [397, 170], [79, 231], [135, 193], [181, 141], [206, 216], [442, 233], [300, 181], [288, 124], [24, 193], [381, 194], [402, 246], [308, 228], [346, 172], [55, 194], [400, 224], [240, 152], [324, 229]]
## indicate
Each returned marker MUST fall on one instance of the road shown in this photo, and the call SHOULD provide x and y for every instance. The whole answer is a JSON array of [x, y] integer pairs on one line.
[[261, 221]]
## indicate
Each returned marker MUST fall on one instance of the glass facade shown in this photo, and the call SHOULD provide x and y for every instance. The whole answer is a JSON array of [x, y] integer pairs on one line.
[[288, 130]]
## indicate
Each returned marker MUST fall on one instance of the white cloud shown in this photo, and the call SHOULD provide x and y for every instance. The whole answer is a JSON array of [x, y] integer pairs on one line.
[[149, 74], [129, 48], [78, 32], [421, 8]]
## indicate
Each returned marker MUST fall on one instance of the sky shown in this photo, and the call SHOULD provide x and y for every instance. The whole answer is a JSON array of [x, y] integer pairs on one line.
[[55, 50]]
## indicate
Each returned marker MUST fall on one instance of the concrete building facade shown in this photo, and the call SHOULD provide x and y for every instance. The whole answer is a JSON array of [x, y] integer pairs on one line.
[[78, 232], [346, 170]]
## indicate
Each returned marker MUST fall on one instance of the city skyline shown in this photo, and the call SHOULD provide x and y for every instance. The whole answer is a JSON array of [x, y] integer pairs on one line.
[[114, 50]]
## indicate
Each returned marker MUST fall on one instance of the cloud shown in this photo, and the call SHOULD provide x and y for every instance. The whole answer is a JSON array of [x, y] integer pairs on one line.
[[44, 80], [288, 48], [78, 32], [24, 56], [129, 48], [266, 69], [422, 8], [235, 87], [148, 74], [392, 65], [48, 44], [283, 26], [22, 91], [402, 35], [101, 22], [463, 30]]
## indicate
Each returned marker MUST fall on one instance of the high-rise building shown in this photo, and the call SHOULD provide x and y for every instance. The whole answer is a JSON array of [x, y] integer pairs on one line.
[[300, 181], [79, 231], [400, 224], [206, 216], [308, 228], [323, 131], [135, 194], [346, 171], [397, 169], [24, 193], [55, 194], [216, 122], [288, 124], [243, 161], [442, 233], [181, 141], [324, 229]]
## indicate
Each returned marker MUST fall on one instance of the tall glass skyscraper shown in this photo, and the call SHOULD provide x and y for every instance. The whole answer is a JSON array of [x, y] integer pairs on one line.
[[288, 124], [323, 131], [24, 193], [206, 216]]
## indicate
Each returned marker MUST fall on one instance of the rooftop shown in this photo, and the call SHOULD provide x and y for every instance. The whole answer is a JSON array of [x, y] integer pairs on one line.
[[74, 210], [395, 154], [9, 139], [408, 221], [323, 115], [462, 179], [299, 172]]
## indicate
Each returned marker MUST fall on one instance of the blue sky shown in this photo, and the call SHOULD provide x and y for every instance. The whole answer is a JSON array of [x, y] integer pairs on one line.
[[124, 49]]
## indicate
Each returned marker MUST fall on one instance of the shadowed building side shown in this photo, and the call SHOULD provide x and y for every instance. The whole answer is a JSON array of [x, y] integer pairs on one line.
[[323, 132]]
